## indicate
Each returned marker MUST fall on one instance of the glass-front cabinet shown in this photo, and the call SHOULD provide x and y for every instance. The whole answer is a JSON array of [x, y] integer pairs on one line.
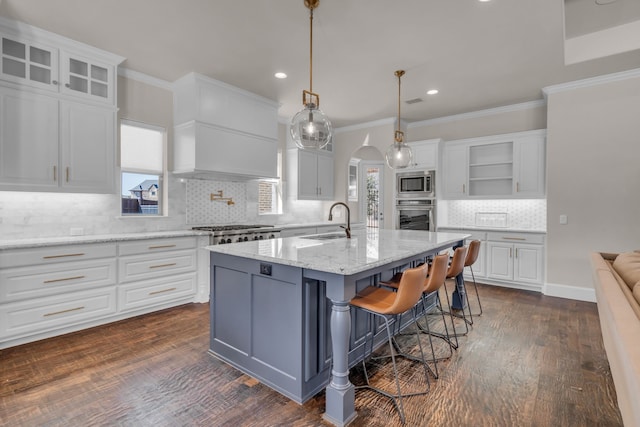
[[29, 63], [86, 78], [61, 70]]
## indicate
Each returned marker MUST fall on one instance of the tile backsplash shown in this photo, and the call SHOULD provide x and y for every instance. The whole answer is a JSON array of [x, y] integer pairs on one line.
[[524, 214], [202, 210]]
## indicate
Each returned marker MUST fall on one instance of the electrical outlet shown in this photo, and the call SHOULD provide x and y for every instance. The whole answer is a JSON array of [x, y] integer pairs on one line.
[[564, 220], [76, 231], [265, 269]]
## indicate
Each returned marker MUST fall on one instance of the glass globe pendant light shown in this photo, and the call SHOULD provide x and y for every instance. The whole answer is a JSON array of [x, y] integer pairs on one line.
[[311, 128], [398, 155]]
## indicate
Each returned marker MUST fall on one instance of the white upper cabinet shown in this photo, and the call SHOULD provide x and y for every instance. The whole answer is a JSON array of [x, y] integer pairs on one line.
[[28, 156], [57, 113], [315, 175], [29, 62], [501, 166], [223, 130], [425, 154], [87, 78], [454, 172], [86, 148]]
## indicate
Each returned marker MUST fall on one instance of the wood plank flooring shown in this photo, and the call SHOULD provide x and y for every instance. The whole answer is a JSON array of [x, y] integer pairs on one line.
[[529, 360]]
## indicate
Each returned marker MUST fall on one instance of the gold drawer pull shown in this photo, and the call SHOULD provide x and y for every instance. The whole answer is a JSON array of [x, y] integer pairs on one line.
[[65, 279], [162, 291], [162, 246], [63, 311], [513, 238], [163, 265], [60, 256]]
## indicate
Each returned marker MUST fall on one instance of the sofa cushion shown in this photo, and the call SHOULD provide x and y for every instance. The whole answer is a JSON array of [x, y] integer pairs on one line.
[[627, 265]]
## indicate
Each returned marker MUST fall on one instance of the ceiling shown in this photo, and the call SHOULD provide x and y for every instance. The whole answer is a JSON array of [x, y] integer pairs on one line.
[[478, 54]]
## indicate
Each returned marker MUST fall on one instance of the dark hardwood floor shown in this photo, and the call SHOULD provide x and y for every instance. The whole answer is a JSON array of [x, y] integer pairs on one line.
[[529, 360]]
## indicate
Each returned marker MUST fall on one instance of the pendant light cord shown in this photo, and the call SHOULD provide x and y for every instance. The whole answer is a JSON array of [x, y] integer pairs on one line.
[[311, 50]]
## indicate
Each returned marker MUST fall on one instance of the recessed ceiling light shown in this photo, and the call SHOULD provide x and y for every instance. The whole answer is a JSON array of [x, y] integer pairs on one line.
[[484, 1], [604, 2], [433, 91], [280, 75]]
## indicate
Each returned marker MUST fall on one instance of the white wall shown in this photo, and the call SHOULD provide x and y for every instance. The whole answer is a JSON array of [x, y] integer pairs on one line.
[[593, 152]]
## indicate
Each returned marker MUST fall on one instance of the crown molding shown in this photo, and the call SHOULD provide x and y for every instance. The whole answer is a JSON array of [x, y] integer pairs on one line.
[[144, 78], [592, 81], [480, 113]]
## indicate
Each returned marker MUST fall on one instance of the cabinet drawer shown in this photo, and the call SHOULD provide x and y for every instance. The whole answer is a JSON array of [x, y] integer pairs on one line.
[[152, 292], [156, 245], [42, 280], [55, 254], [141, 267], [516, 237], [41, 314]]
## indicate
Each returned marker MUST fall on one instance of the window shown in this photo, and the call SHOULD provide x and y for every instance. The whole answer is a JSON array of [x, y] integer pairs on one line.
[[142, 163], [270, 193]]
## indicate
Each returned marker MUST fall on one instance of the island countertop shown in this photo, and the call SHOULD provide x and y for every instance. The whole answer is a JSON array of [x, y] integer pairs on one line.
[[366, 249]]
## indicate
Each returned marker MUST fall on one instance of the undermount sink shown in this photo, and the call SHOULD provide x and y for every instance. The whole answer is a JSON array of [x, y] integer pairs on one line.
[[326, 236]]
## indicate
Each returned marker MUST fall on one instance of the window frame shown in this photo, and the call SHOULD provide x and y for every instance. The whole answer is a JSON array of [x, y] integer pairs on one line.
[[162, 177]]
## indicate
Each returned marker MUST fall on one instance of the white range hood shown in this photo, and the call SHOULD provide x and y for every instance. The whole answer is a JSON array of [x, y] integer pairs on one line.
[[223, 132]]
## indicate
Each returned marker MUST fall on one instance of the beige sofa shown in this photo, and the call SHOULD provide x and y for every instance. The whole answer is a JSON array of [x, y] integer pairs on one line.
[[617, 284]]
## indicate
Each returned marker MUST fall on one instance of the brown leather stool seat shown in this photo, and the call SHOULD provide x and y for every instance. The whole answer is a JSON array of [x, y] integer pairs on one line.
[[389, 305]]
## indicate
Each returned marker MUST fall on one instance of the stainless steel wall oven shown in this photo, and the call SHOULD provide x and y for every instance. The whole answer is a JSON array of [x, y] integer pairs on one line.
[[419, 214]]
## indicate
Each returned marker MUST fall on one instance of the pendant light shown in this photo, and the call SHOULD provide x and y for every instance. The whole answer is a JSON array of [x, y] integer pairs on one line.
[[311, 128], [399, 155]]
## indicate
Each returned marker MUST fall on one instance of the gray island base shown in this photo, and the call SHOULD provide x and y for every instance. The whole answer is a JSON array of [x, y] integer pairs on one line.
[[280, 308]]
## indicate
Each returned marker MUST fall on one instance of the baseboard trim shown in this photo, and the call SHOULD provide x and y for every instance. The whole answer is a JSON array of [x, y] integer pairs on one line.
[[569, 292]]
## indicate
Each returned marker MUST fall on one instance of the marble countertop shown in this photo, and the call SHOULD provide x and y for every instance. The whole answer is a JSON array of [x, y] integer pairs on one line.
[[366, 249], [69, 240]]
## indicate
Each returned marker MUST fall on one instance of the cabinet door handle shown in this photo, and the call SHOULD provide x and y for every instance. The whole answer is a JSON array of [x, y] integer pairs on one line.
[[63, 311], [61, 256], [464, 188], [510, 252], [517, 187], [67, 85], [162, 246], [516, 252], [163, 265], [67, 174], [64, 279], [513, 238], [55, 173], [162, 291], [54, 82]]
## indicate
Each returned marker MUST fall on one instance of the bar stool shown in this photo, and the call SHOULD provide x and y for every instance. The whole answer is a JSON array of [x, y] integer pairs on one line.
[[472, 257], [456, 266], [431, 287], [389, 306]]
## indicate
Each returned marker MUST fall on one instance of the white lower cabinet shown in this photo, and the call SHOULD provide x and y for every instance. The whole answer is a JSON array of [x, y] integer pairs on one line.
[[48, 291], [507, 258], [520, 263]]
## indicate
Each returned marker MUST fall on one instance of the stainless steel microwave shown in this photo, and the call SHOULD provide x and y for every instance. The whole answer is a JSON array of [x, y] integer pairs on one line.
[[419, 184]]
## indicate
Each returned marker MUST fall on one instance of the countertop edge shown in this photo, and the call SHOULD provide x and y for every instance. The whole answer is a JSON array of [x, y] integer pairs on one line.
[[88, 239]]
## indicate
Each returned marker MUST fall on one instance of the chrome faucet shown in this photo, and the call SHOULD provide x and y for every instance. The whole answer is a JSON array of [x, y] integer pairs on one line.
[[347, 229]]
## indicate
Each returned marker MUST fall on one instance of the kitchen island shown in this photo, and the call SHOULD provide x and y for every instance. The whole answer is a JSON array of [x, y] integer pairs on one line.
[[280, 308]]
